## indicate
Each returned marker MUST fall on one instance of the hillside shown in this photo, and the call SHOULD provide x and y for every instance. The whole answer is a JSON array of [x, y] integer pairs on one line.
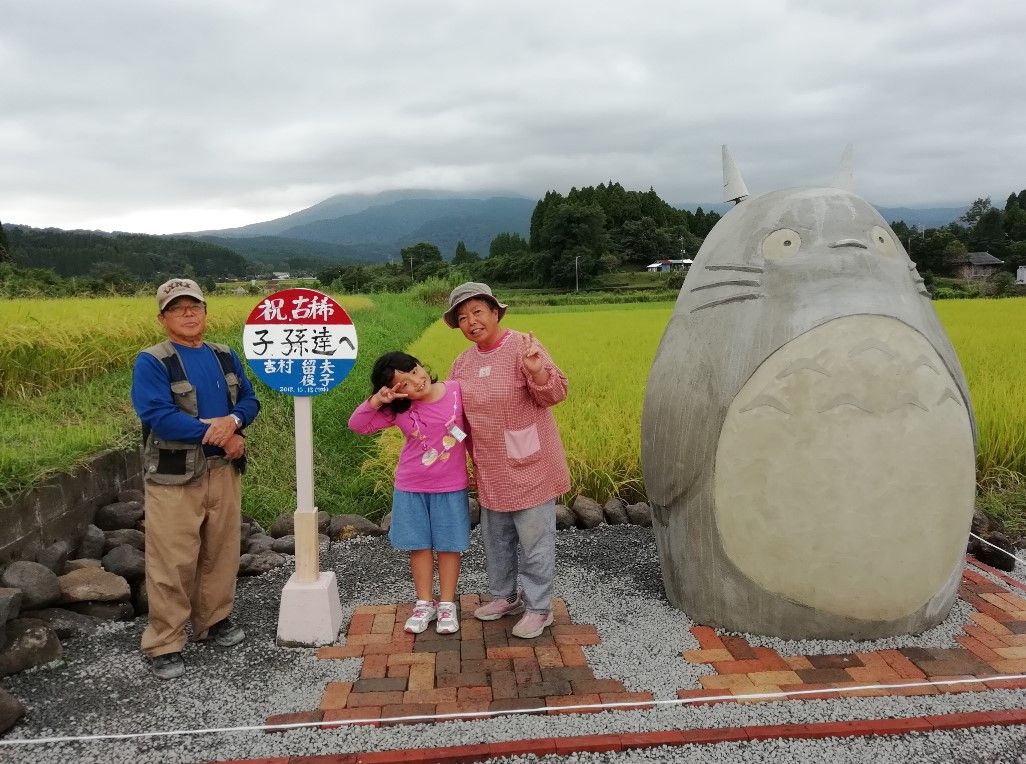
[[84, 253]]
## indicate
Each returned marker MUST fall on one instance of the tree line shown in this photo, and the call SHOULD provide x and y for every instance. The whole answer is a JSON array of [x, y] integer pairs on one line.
[[573, 240], [983, 228]]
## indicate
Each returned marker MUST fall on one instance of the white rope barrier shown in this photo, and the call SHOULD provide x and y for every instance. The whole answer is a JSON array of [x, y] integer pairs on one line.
[[1005, 551], [634, 704]]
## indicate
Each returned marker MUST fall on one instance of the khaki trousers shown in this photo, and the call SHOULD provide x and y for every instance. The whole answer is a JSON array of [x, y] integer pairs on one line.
[[192, 556]]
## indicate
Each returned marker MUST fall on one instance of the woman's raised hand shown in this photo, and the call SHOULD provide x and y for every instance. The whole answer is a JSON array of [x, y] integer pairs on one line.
[[531, 356], [384, 396]]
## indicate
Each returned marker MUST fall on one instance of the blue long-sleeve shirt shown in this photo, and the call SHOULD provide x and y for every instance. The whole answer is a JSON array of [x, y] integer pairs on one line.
[[155, 405]]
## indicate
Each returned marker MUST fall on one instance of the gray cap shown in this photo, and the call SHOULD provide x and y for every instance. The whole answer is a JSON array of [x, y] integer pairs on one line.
[[173, 288], [466, 291]]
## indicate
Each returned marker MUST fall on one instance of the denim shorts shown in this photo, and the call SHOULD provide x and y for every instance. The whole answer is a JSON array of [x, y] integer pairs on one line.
[[437, 521]]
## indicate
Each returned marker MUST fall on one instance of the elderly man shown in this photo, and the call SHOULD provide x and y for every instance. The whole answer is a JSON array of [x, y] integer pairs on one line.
[[194, 401]]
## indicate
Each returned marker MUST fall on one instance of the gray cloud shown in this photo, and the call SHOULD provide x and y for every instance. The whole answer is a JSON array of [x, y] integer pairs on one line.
[[165, 116]]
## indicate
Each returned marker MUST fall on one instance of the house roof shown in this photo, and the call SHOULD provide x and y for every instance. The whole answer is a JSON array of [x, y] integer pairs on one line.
[[981, 258]]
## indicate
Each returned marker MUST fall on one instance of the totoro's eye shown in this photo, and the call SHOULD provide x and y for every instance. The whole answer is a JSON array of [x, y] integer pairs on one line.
[[780, 244], [881, 242]]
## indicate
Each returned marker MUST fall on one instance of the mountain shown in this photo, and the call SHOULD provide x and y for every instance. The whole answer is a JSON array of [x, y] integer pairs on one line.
[[379, 227], [927, 217]]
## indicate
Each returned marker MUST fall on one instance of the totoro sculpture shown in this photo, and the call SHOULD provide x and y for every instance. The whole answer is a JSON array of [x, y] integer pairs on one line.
[[807, 439]]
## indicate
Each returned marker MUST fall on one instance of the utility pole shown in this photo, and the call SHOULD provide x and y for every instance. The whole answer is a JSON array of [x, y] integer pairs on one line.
[[577, 282]]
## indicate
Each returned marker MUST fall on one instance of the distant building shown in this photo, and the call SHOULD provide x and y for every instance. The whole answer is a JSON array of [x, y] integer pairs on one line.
[[661, 266], [977, 266], [279, 275], [1020, 275]]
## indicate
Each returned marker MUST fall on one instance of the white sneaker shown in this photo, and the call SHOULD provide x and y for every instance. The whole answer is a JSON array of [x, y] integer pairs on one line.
[[424, 612], [447, 623]]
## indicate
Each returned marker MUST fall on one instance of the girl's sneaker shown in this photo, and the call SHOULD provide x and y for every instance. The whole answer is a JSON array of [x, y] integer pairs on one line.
[[424, 612], [448, 623]]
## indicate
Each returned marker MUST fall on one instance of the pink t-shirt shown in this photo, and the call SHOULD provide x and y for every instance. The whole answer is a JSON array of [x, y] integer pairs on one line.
[[433, 460]]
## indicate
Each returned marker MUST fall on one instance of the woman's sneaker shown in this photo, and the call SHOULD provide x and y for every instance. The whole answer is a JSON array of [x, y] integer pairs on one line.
[[532, 625], [168, 666], [424, 612], [499, 607], [447, 623]]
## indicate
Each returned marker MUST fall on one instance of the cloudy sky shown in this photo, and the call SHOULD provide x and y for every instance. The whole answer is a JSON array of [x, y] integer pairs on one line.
[[174, 116]]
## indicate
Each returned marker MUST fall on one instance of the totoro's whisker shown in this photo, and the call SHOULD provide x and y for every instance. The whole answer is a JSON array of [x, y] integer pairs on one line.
[[727, 300], [732, 282], [739, 268]]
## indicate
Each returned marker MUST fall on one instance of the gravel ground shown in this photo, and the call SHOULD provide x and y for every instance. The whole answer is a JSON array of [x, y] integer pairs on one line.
[[608, 576]]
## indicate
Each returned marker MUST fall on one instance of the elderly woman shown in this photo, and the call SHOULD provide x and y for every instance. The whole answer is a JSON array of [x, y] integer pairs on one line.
[[509, 385]]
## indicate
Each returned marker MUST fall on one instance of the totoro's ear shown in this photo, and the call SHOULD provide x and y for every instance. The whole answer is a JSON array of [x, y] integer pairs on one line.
[[734, 188], [844, 178]]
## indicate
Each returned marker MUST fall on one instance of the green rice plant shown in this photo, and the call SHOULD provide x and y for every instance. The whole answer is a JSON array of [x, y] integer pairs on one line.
[[48, 343]]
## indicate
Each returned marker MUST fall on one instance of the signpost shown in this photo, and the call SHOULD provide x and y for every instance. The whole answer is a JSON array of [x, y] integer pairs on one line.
[[303, 343]]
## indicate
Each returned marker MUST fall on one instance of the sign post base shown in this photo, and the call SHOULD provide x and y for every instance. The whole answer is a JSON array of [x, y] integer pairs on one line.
[[310, 613]]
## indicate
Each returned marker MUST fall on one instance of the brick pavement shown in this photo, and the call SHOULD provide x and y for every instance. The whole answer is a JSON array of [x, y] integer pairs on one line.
[[480, 668], [992, 643]]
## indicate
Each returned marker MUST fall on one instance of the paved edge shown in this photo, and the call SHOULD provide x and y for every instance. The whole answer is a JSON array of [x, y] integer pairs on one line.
[[638, 740]]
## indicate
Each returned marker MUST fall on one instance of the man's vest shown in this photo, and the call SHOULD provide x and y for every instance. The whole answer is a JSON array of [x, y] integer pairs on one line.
[[172, 462]]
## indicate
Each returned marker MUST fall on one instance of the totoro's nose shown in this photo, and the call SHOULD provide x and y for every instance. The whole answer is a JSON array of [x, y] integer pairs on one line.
[[849, 243]]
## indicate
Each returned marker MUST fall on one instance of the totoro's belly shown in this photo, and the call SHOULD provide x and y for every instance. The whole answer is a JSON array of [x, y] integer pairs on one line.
[[845, 471]]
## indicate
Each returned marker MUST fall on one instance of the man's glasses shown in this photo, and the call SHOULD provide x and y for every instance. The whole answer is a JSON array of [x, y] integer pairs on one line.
[[181, 310]]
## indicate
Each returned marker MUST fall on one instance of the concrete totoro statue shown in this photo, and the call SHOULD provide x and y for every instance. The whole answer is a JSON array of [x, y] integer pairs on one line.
[[807, 438]]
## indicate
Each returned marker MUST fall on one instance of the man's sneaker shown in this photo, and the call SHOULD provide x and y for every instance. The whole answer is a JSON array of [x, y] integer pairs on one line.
[[499, 607], [226, 633], [447, 621], [168, 665], [424, 612], [532, 625]]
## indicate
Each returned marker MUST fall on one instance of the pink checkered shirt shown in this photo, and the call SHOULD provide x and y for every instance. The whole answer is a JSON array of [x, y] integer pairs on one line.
[[518, 456]]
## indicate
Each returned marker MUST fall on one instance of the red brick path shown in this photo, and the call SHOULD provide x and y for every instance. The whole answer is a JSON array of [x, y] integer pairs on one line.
[[993, 643], [480, 668]]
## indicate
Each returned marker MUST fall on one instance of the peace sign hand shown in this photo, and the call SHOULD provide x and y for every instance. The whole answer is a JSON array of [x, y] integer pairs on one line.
[[531, 356], [384, 396]]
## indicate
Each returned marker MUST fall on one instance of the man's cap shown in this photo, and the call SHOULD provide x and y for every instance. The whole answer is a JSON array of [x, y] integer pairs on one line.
[[467, 291], [173, 288]]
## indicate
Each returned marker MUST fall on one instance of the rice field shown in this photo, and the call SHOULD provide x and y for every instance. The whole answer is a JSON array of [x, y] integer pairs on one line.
[[50, 343], [606, 354]]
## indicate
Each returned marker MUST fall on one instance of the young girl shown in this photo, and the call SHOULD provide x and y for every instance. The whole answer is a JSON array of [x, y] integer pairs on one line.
[[429, 503]]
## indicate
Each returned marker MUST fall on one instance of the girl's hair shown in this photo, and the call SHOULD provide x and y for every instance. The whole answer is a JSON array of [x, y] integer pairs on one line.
[[384, 372]]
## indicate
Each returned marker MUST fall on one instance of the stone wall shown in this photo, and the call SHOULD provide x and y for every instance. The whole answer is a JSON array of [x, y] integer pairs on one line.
[[64, 505]]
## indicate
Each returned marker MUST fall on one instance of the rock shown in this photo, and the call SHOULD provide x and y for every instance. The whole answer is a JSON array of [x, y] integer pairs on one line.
[[122, 514], [92, 545], [981, 523], [323, 522], [71, 565], [386, 522], [565, 518], [346, 526], [261, 542], [258, 564], [140, 599], [129, 536], [106, 611], [284, 545], [131, 494], [323, 542], [640, 514], [615, 512], [254, 528], [282, 526], [38, 583], [54, 556], [11, 710], [93, 584], [995, 557], [10, 604], [30, 642], [67, 623], [125, 561], [475, 512], [588, 512]]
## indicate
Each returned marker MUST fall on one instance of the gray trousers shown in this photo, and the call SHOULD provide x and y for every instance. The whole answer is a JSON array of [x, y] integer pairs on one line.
[[534, 531]]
